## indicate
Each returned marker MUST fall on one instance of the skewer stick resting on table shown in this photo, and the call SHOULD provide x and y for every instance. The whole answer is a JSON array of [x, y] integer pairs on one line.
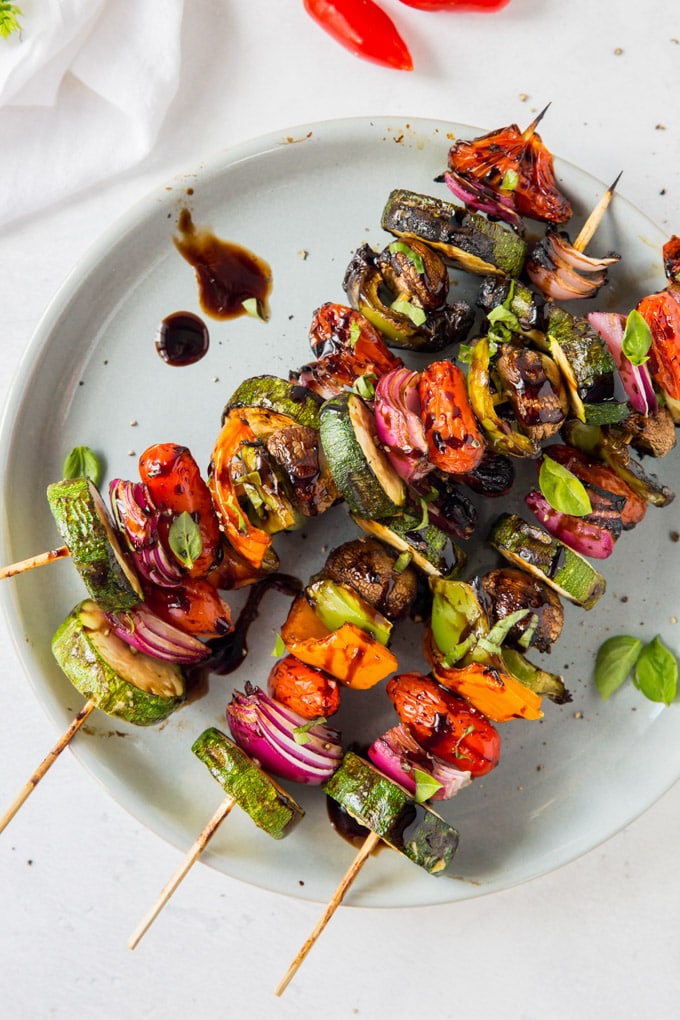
[[355, 867], [192, 856], [46, 764]]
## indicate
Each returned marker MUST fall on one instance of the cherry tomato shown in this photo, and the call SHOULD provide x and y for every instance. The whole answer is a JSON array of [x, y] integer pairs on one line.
[[454, 440], [445, 724], [521, 155], [364, 29], [661, 312], [193, 606], [173, 478], [304, 689]]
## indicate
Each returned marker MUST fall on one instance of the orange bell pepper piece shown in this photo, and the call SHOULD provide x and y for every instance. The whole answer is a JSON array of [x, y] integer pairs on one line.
[[250, 542], [349, 654], [497, 694]]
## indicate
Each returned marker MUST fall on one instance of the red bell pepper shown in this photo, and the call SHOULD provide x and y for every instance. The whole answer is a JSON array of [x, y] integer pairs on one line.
[[456, 5], [362, 27]]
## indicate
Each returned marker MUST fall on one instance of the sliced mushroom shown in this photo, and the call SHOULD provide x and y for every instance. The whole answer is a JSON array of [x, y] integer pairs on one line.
[[369, 568], [507, 590], [534, 387], [296, 449]]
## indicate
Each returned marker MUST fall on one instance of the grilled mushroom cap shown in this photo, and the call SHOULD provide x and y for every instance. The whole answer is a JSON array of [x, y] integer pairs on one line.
[[368, 567], [535, 390], [506, 590]]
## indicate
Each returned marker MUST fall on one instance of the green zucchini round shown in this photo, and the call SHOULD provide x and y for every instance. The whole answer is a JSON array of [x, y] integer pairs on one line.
[[361, 471], [387, 809], [124, 683], [84, 524], [260, 796], [271, 393]]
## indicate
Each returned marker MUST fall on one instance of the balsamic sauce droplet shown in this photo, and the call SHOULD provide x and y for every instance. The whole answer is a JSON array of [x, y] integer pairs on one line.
[[182, 339], [227, 273]]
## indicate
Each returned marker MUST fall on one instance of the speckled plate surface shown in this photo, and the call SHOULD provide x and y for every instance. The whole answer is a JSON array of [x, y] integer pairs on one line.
[[303, 200]]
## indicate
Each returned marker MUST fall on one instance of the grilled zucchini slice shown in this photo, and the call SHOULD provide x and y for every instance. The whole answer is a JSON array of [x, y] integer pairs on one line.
[[86, 528], [386, 808], [531, 548], [124, 683], [268, 804], [360, 469]]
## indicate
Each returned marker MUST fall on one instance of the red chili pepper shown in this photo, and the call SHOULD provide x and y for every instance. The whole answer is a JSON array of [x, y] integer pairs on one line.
[[364, 29], [450, 5]]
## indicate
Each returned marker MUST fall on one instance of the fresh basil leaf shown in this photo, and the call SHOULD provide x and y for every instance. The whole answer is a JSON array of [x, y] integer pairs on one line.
[[354, 333], [637, 339], [563, 490], [81, 462], [615, 660], [426, 786], [185, 539], [464, 355], [413, 312], [492, 641], [656, 672], [502, 314]]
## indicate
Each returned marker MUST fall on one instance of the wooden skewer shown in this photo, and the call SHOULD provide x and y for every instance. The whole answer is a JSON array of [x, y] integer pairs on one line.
[[34, 561], [592, 223], [46, 763], [190, 859], [366, 849], [529, 131]]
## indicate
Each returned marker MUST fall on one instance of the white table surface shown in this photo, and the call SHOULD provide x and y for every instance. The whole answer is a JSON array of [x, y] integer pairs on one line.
[[598, 938]]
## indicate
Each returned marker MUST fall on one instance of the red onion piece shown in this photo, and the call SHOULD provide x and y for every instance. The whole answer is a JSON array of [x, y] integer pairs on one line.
[[580, 534], [397, 754], [398, 423], [480, 198], [266, 730], [133, 511], [562, 272], [156, 565], [636, 379], [142, 629]]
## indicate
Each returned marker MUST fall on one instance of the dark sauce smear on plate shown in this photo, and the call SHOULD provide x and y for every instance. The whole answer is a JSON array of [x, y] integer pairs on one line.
[[227, 274], [182, 339], [227, 653]]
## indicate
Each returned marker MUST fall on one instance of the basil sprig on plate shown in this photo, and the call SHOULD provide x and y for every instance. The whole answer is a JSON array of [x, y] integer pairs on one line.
[[651, 666]]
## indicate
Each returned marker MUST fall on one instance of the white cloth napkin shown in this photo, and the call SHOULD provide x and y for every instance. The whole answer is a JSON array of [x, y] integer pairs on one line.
[[84, 89]]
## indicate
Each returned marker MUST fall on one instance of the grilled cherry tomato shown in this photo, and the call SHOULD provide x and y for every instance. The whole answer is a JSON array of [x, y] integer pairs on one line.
[[193, 606], [454, 441], [518, 163], [347, 346], [173, 478], [364, 29], [661, 312], [445, 724], [304, 689], [457, 5]]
